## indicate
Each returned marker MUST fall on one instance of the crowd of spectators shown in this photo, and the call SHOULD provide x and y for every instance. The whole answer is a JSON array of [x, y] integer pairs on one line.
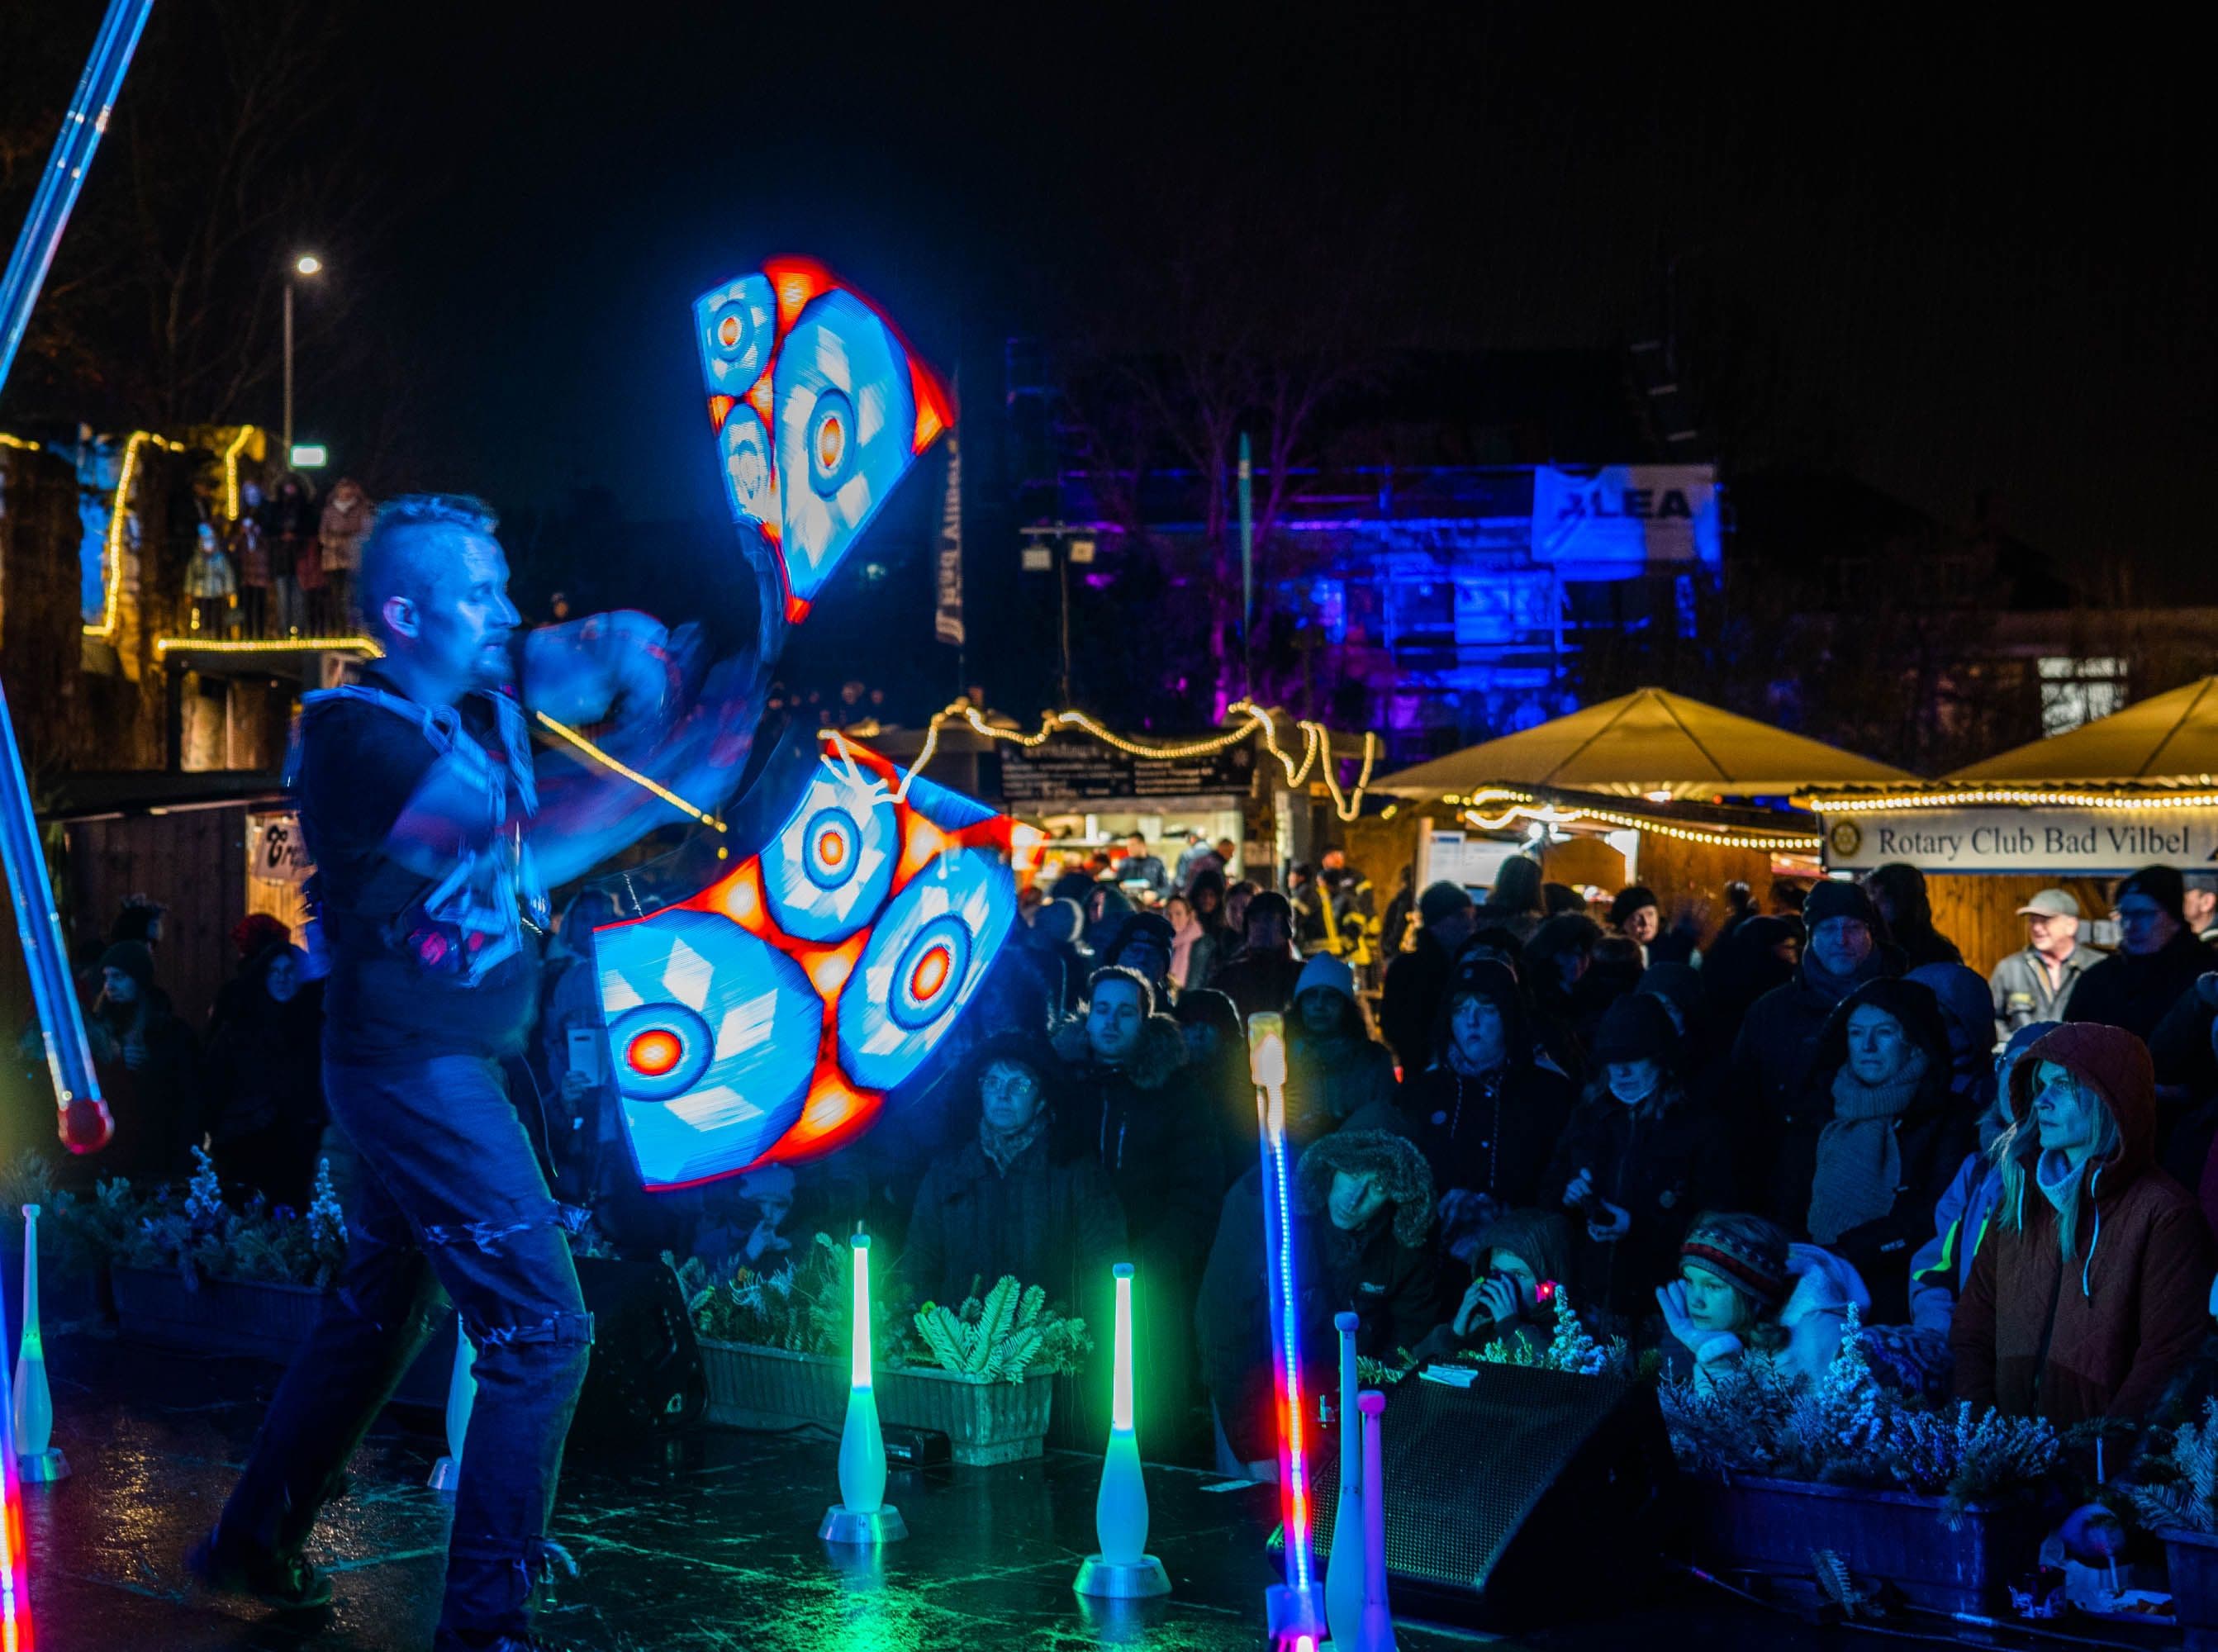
[[285, 568]]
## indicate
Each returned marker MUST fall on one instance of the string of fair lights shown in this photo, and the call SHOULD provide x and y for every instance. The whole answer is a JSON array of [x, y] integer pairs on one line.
[[1531, 806]]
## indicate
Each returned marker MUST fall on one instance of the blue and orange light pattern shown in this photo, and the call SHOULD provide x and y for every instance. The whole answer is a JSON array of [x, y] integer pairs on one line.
[[820, 409], [764, 1019]]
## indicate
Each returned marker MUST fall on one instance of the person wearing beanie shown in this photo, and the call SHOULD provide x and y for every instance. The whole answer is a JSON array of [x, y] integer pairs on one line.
[[1905, 909], [1768, 1086], [1262, 975], [1942, 1266], [1635, 915], [1338, 1074], [1866, 1171], [1416, 979], [1967, 1007], [1744, 1287], [1144, 944], [149, 1068], [1638, 1158], [2158, 958], [2088, 1292], [1485, 1114], [1364, 1209]]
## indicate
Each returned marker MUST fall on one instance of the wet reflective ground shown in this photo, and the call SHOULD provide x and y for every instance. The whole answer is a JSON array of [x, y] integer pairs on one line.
[[702, 1545]]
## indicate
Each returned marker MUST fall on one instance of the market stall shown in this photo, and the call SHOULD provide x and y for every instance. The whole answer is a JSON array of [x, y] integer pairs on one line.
[[2076, 810], [1634, 789]]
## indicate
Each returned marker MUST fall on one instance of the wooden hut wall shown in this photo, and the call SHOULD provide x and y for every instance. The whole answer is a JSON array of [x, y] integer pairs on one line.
[[193, 861], [1979, 911]]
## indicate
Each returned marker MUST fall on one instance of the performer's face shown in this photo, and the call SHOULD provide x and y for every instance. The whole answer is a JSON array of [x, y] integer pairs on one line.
[[468, 620]]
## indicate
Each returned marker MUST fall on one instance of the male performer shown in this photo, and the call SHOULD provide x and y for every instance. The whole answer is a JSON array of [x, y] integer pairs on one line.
[[433, 847]]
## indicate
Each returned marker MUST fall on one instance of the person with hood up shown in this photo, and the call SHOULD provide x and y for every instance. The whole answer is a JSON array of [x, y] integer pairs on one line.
[[1942, 1266], [1769, 1092], [1338, 1074], [1639, 1158], [1262, 976], [264, 1077], [1485, 1115], [2158, 958], [2088, 1292], [1065, 959], [1364, 1204], [1898, 894], [1011, 1200], [148, 1067], [1416, 979], [1885, 1136], [1744, 1287], [1131, 1108], [1517, 1291]]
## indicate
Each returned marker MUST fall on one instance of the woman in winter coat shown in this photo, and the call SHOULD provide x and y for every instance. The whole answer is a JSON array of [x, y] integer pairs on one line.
[[1485, 1115], [1365, 1204], [1639, 1159], [1337, 1073], [264, 1076], [1010, 1201], [1893, 1132], [1745, 1288], [2088, 1292]]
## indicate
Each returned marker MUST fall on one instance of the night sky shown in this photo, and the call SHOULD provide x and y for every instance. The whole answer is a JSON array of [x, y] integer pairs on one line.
[[1937, 262]]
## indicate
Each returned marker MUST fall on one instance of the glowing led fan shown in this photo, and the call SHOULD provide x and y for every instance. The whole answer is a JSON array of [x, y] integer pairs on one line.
[[819, 408], [765, 1018]]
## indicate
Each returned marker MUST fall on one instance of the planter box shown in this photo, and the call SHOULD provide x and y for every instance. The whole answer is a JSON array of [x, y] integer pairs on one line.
[[1770, 1526], [985, 1423], [2192, 1559], [263, 1319]]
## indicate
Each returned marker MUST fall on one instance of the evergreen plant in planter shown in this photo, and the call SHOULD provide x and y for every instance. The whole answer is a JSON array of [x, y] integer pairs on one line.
[[2174, 1494], [1843, 1476], [72, 1274]]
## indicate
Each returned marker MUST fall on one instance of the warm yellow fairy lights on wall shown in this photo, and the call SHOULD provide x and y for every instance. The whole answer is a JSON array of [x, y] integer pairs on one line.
[[1975, 799], [363, 646], [1527, 806], [8, 441], [629, 773], [230, 470], [119, 516], [1317, 745]]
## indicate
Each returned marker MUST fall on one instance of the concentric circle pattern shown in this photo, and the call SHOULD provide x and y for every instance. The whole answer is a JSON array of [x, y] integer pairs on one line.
[[845, 415], [826, 871], [738, 326], [923, 960]]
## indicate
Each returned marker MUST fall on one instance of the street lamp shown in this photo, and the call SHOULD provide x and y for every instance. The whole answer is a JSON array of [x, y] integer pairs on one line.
[[1051, 548], [306, 264]]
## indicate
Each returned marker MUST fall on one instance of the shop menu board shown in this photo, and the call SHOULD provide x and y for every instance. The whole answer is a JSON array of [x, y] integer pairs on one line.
[[1077, 768]]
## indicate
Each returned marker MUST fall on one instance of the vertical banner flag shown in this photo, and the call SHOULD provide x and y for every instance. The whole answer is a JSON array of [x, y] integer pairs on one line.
[[947, 615]]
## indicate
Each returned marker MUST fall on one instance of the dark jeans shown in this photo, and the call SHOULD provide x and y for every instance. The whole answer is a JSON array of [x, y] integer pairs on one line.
[[448, 1202]]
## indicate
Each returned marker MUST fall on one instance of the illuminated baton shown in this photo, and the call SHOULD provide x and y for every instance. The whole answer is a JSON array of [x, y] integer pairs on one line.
[[85, 1124], [862, 1515], [1343, 1573], [1292, 1609], [15, 1567], [1123, 1570]]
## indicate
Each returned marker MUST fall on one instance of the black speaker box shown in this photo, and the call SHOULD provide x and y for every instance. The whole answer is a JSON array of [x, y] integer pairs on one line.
[[1507, 1500], [645, 1377]]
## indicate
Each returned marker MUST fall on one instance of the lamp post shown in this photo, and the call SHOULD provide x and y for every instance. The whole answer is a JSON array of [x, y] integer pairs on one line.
[[1052, 547], [307, 264]]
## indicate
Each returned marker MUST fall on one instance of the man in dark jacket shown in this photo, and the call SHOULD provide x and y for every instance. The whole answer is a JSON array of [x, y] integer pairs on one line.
[[1364, 1203], [1416, 979], [1262, 976], [2158, 958], [1768, 1078]]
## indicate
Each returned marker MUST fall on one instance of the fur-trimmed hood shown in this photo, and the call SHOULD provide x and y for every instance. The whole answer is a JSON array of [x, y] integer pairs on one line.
[[1160, 1054], [1393, 1158]]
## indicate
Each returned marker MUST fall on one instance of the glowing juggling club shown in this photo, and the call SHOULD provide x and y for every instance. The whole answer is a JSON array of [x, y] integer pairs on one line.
[[1292, 1610], [1377, 1633], [1123, 1570], [461, 1395], [1343, 1573], [33, 1409], [15, 1563], [862, 1515]]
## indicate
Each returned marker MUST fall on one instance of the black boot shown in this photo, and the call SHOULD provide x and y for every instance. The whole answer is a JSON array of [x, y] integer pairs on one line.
[[284, 1583]]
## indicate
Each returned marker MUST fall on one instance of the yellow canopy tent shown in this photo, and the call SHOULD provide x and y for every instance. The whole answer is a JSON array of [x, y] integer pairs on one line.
[[1647, 742], [2171, 739]]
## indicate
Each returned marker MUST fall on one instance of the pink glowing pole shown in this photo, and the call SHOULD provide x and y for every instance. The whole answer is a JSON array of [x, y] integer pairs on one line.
[[1292, 1609], [14, 1562]]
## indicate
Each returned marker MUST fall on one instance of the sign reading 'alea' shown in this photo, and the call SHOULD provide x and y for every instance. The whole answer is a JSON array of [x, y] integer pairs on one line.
[[1621, 519], [2037, 840]]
